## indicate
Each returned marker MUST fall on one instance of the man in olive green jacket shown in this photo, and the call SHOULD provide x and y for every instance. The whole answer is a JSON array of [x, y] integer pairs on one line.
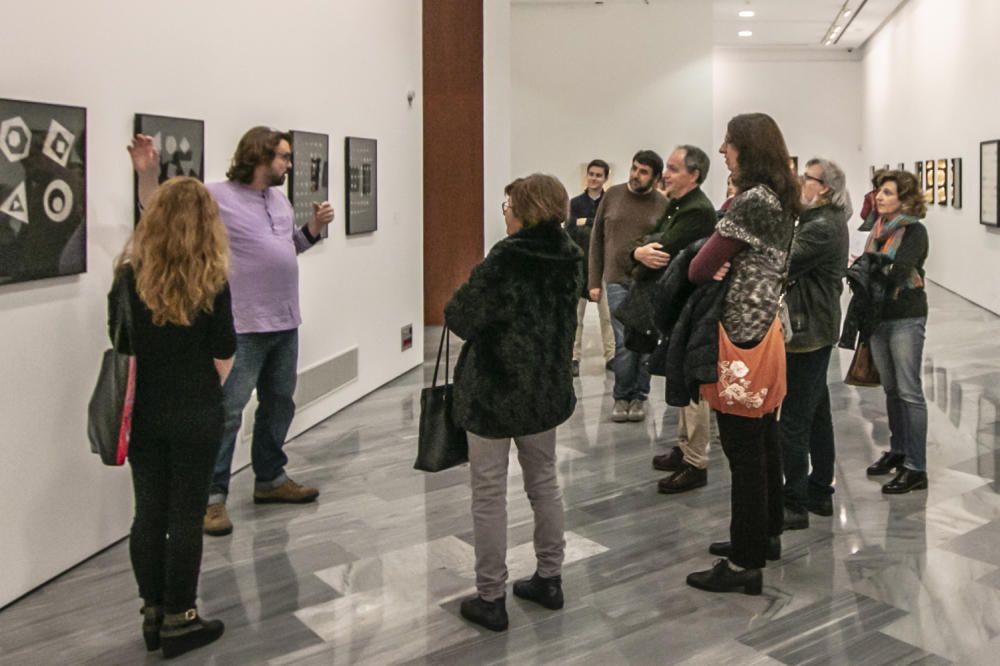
[[690, 216]]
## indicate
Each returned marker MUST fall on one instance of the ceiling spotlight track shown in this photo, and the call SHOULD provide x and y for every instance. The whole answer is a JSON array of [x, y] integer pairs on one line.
[[836, 30]]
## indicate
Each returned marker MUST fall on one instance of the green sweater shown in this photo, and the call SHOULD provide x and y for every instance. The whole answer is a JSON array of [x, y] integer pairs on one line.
[[686, 220]]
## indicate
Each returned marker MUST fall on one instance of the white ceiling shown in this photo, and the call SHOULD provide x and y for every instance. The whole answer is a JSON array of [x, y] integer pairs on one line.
[[777, 23]]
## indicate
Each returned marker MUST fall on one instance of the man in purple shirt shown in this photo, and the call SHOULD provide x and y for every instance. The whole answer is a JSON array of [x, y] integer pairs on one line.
[[264, 280]]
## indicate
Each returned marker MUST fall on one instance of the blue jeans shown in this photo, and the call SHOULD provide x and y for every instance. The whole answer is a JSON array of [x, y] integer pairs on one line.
[[897, 348], [631, 373], [269, 363]]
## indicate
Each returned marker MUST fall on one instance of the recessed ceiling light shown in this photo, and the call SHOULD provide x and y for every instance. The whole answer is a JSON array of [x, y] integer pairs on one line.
[[747, 13], [745, 33], [847, 12]]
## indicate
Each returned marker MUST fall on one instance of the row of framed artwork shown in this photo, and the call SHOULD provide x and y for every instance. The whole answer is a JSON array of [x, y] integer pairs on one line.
[[180, 143], [940, 180], [43, 181]]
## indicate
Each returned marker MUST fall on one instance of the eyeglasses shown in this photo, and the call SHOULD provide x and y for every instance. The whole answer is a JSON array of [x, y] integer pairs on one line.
[[806, 177], [286, 157], [504, 206]]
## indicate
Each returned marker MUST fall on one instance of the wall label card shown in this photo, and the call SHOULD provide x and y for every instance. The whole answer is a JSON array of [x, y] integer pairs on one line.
[[43, 190]]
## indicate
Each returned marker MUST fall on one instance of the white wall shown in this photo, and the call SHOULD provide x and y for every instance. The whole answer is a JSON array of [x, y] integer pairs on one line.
[[496, 116], [605, 81], [815, 97], [335, 67], [931, 92]]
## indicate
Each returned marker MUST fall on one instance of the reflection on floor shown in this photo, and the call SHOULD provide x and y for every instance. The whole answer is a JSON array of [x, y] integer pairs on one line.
[[374, 571]]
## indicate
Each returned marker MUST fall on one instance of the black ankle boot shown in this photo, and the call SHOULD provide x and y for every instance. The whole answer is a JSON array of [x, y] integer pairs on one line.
[[720, 578], [886, 464], [183, 632], [543, 591], [152, 620], [795, 518], [725, 548], [905, 481], [489, 614]]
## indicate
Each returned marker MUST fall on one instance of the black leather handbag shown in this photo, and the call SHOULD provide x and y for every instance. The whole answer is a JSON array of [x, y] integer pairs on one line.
[[441, 444], [109, 413]]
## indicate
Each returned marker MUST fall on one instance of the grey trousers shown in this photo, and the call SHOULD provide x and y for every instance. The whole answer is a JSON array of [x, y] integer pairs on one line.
[[488, 465]]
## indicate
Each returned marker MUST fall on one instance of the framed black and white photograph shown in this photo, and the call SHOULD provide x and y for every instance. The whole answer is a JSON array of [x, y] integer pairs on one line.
[[989, 168], [955, 181], [309, 179], [180, 143], [941, 180], [43, 190], [918, 171], [901, 167], [361, 185]]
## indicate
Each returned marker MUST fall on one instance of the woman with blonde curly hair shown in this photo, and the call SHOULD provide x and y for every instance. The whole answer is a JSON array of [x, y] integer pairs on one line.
[[174, 271]]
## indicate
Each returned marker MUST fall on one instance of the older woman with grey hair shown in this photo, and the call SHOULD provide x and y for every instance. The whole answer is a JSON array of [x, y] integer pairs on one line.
[[815, 281]]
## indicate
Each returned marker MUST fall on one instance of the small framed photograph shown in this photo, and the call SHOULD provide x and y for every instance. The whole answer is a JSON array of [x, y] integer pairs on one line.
[[309, 179], [901, 167], [989, 168], [918, 171], [929, 185], [956, 182], [941, 180], [180, 143], [361, 185]]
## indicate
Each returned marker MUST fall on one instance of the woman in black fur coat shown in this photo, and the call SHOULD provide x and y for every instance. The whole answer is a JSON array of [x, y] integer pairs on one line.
[[517, 315]]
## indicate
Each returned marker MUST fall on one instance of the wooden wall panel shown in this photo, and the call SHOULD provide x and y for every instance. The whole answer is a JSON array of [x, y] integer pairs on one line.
[[453, 147]]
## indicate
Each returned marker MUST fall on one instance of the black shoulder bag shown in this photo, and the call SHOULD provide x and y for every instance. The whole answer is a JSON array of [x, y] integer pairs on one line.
[[441, 444]]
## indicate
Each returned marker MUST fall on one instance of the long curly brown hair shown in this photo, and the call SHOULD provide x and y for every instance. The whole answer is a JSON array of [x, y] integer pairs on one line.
[[179, 252]]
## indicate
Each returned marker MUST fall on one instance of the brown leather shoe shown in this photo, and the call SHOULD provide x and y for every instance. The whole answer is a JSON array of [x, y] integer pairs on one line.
[[689, 478], [673, 461], [217, 521], [287, 493]]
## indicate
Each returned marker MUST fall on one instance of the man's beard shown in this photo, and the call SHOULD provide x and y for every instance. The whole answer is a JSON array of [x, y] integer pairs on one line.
[[638, 189], [277, 181]]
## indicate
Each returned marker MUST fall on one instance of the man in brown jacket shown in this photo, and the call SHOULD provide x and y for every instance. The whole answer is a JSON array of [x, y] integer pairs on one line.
[[627, 213]]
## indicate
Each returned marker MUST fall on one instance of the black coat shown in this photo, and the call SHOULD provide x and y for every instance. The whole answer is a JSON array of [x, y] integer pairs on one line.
[[517, 314], [689, 315], [816, 277], [869, 285]]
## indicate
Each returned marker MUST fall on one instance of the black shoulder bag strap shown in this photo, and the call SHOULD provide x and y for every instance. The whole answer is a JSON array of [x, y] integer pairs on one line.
[[445, 345]]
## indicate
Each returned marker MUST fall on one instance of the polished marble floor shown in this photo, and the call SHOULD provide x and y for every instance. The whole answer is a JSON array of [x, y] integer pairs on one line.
[[373, 572]]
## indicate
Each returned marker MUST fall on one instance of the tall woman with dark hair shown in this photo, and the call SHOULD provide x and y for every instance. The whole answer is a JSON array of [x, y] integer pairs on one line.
[[753, 241], [897, 344], [174, 268]]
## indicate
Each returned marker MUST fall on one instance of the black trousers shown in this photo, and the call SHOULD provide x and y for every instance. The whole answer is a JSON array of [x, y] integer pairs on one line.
[[754, 452], [807, 428], [171, 461]]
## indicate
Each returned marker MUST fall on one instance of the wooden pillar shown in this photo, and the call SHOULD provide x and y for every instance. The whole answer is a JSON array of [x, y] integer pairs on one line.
[[453, 147]]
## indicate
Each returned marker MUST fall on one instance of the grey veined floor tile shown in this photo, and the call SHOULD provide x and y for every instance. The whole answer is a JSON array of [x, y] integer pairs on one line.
[[374, 572]]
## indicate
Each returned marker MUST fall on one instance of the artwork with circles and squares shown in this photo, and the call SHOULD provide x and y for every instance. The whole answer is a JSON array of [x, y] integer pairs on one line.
[[180, 143], [309, 178], [43, 190]]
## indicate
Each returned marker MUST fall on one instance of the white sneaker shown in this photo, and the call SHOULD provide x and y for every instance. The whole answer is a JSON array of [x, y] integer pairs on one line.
[[619, 413], [636, 410]]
